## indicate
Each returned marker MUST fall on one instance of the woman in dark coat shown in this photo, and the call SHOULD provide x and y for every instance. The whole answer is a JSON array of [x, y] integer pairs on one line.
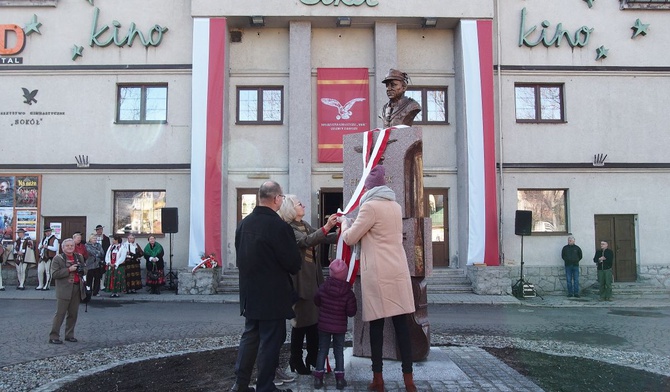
[[94, 263], [306, 282], [153, 254]]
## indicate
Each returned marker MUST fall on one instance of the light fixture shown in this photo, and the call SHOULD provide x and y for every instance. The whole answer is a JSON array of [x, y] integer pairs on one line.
[[599, 159], [257, 21], [82, 160], [343, 21], [429, 22]]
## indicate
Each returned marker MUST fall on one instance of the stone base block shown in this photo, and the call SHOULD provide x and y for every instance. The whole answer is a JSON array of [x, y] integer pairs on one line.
[[203, 281]]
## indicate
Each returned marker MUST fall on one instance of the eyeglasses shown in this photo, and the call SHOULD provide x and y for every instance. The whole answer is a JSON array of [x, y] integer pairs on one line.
[[300, 204], [282, 196]]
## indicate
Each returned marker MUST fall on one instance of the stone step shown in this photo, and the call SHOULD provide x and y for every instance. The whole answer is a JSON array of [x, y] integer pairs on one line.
[[442, 281]]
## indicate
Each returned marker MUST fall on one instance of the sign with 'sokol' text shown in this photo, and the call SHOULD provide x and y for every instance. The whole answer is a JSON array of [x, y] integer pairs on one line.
[[369, 3]]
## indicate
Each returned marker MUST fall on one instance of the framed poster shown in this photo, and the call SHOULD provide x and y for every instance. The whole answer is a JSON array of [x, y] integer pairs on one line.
[[26, 191], [27, 220], [6, 191]]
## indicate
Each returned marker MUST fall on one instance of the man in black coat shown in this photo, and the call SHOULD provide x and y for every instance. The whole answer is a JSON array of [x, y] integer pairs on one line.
[[267, 253]]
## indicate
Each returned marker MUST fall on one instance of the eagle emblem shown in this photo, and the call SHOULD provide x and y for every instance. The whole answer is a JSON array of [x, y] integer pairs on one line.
[[29, 96], [343, 112]]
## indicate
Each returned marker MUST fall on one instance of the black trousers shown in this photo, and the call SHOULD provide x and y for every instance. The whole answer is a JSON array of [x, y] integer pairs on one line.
[[260, 343], [402, 338]]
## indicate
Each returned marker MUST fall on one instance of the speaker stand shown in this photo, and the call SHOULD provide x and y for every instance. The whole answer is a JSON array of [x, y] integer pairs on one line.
[[523, 288], [172, 277]]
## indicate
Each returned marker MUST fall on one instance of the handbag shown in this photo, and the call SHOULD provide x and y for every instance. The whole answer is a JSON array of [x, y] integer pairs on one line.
[[153, 274]]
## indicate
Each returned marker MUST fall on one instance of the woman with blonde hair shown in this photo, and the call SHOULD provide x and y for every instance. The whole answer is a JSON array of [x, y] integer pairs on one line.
[[306, 282]]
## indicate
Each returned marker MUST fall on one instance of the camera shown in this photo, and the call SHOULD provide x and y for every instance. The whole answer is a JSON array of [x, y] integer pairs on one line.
[[80, 269]]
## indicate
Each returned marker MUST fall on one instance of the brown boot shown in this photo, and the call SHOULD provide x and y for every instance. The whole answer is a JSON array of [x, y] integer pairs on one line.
[[409, 382], [377, 383]]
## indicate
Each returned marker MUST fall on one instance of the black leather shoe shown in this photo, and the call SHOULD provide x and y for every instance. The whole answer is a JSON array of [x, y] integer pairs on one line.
[[73, 340], [55, 341]]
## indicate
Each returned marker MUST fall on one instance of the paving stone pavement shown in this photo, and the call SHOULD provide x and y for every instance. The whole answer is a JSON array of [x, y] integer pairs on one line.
[[447, 368]]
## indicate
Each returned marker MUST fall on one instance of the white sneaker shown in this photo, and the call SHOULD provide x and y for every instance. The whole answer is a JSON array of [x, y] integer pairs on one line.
[[282, 376]]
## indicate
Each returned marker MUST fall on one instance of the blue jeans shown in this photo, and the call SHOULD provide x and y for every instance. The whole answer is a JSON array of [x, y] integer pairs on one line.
[[572, 278], [324, 346], [262, 339]]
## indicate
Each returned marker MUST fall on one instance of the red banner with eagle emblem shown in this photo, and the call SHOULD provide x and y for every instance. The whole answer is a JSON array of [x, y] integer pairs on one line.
[[343, 107]]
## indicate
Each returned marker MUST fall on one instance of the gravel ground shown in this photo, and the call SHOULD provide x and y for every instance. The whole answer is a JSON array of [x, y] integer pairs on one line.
[[30, 376]]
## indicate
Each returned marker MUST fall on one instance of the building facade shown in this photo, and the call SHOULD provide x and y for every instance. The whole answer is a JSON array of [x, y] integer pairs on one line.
[[117, 110]]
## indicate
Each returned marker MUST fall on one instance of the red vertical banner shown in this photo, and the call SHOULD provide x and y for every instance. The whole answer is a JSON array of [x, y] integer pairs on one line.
[[343, 107]]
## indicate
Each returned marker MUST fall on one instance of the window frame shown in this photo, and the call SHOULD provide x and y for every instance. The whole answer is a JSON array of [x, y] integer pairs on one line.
[[156, 215], [259, 108], [538, 107], [28, 3], [143, 102], [422, 117], [539, 218]]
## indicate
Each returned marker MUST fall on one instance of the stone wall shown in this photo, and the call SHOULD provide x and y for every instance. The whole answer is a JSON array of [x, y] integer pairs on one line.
[[551, 280], [203, 281], [490, 280]]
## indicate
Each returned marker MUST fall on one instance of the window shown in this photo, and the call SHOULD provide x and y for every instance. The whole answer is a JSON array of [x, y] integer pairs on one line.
[[142, 104], [433, 101], [537, 103], [247, 198], [260, 105], [549, 209], [138, 212], [645, 4]]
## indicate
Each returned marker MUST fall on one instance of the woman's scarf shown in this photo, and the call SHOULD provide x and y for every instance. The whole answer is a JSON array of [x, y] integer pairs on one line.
[[153, 252], [377, 193]]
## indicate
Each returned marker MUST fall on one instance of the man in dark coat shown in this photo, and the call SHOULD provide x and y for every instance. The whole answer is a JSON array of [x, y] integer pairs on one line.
[[267, 253]]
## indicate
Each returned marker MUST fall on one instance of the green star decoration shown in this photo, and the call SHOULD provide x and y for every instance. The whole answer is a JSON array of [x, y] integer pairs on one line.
[[601, 52], [90, 2], [589, 2], [34, 26], [76, 52], [639, 28]]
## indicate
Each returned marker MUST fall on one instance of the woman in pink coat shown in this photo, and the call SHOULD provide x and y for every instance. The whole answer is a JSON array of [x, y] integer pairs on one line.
[[386, 287]]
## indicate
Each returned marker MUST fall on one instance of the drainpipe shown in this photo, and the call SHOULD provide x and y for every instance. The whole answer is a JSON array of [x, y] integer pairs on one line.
[[501, 180]]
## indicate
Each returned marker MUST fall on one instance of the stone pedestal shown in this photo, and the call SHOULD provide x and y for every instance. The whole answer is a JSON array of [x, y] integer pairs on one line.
[[203, 282], [403, 161]]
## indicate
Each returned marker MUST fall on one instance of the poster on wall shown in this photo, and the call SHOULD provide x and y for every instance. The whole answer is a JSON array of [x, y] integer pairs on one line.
[[57, 227], [343, 107], [27, 220], [6, 191], [6, 223], [26, 190]]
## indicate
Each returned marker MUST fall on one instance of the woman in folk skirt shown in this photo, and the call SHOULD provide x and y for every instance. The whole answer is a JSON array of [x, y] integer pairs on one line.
[[115, 277], [133, 270], [153, 254]]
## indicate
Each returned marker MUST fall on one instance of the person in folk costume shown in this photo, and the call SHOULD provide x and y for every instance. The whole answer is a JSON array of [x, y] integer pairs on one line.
[[22, 246], [115, 277], [94, 263], [48, 249], [133, 266], [153, 254], [306, 282], [386, 287]]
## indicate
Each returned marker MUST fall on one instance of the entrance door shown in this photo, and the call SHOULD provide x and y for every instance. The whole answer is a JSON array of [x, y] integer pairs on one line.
[[68, 226], [330, 199], [436, 203], [619, 232]]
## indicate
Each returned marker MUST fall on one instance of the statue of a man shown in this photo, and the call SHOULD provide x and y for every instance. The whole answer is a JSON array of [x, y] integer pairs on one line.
[[399, 110]]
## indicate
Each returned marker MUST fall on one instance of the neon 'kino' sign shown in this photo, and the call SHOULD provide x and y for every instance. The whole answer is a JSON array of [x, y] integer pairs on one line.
[[369, 3]]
